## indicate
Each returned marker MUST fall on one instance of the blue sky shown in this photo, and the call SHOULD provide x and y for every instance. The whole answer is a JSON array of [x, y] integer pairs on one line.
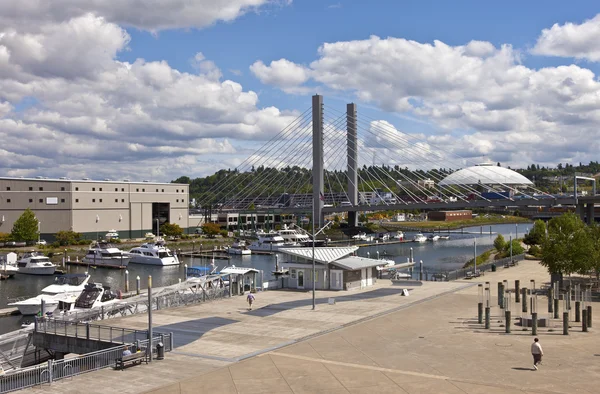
[[511, 80]]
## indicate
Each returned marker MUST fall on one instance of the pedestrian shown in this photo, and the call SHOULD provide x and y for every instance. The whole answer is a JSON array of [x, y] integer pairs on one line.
[[126, 351], [537, 352], [250, 300]]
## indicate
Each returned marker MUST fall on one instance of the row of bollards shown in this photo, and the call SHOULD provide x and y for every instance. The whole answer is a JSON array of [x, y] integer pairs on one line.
[[582, 299]]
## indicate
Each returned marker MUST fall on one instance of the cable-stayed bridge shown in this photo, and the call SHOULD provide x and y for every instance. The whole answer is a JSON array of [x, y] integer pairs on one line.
[[329, 161]]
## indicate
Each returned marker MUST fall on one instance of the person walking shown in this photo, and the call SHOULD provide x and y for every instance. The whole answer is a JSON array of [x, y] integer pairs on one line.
[[537, 352], [250, 299]]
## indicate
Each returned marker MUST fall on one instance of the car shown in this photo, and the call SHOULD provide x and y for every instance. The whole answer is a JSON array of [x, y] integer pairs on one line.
[[41, 242], [198, 231]]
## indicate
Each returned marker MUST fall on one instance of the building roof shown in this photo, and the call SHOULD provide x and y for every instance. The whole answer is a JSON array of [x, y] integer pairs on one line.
[[486, 174], [322, 255], [237, 270], [355, 263], [67, 180]]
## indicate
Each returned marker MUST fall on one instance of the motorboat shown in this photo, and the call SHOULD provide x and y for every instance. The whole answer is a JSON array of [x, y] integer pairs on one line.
[[385, 263], [8, 270], [35, 263], [433, 238], [444, 237], [239, 247], [268, 242], [153, 253], [294, 236], [112, 234], [69, 284], [419, 238], [398, 235], [363, 237], [104, 254], [384, 237], [94, 296]]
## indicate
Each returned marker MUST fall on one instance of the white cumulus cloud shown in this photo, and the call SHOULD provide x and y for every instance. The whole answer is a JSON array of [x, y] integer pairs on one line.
[[580, 41]]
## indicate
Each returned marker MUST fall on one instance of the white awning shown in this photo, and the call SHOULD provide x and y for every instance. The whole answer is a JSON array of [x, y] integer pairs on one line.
[[355, 263], [322, 255], [238, 270]]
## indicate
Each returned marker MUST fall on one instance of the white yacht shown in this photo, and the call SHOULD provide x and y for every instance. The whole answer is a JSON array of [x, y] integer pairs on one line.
[[93, 296], [112, 234], [104, 254], [398, 235], [433, 238], [239, 247], [419, 238], [34, 263], [8, 270], [71, 284], [152, 253], [268, 242], [294, 237]]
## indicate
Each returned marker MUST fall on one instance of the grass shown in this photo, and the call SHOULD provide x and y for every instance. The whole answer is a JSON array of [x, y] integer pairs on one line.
[[481, 259]]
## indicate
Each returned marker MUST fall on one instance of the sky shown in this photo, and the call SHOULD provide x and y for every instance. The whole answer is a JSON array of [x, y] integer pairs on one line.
[[159, 89]]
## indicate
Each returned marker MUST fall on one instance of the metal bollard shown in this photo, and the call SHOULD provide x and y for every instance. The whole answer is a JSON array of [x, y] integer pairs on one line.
[[137, 285], [584, 320], [550, 296], [534, 323], [186, 271], [487, 317], [577, 311], [500, 294], [480, 312], [565, 323], [126, 281], [589, 316], [517, 290], [507, 318], [556, 308], [524, 304]]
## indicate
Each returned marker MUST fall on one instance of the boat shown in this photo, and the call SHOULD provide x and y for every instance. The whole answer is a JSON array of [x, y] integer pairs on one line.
[[153, 253], [104, 254], [384, 237], [268, 242], [398, 235], [444, 237], [433, 238], [72, 284], [112, 234], [385, 263], [419, 238], [93, 297], [34, 263], [8, 270], [294, 237], [239, 247], [363, 237]]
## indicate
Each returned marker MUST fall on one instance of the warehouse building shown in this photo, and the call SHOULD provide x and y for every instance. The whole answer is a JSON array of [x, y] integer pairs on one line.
[[91, 207]]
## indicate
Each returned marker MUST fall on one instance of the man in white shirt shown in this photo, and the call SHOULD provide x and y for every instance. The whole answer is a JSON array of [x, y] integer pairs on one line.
[[537, 352]]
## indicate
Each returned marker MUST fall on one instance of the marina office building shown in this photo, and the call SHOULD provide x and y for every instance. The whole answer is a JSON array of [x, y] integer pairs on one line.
[[91, 207]]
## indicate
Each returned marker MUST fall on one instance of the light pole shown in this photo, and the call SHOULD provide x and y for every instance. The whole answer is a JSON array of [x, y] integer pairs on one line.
[[157, 229], [39, 231], [314, 269], [97, 221]]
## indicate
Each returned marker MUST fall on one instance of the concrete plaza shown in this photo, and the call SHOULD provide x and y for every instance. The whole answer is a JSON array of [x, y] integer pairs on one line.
[[374, 340]]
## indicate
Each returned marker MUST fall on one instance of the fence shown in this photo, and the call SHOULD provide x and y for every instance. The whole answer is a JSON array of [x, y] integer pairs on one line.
[[67, 368], [88, 331], [462, 273]]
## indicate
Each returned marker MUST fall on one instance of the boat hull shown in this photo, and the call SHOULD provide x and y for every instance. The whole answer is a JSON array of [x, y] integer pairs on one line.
[[32, 308], [49, 270], [239, 252], [110, 263], [154, 261]]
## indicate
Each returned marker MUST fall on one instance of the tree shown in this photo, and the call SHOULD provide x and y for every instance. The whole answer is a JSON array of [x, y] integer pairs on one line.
[[568, 247], [499, 243], [536, 235], [517, 248], [211, 229], [26, 227], [67, 238], [171, 230]]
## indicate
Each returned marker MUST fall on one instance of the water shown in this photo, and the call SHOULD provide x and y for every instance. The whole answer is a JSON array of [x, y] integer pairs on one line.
[[443, 255]]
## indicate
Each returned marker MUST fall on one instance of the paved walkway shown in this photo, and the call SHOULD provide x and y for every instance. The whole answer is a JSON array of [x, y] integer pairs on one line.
[[368, 342]]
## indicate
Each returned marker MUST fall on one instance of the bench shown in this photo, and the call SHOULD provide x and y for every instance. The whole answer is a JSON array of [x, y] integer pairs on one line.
[[471, 274], [134, 358]]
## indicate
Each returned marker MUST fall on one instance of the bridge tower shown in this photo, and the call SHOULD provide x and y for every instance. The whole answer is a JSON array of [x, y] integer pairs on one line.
[[317, 170], [352, 162]]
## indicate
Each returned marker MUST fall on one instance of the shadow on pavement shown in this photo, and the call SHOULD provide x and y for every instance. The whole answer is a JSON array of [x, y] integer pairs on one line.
[[272, 309], [523, 369], [189, 331]]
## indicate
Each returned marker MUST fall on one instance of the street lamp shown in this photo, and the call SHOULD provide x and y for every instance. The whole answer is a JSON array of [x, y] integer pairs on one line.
[[314, 269], [39, 231], [157, 229], [97, 221]]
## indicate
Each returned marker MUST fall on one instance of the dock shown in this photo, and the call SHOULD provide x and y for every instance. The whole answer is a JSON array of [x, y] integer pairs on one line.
[[207, 255], [9, 312], [93, 265]]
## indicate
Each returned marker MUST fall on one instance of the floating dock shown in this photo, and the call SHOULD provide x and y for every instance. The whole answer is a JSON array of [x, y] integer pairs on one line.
[[95, 265], [9, 312]]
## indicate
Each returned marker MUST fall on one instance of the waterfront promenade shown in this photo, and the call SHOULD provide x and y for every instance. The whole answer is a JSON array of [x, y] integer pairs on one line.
[[370, 341]]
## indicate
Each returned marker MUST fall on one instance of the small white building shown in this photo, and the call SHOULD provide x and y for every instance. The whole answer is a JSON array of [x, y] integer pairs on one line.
[[335, 268], [8, 258]]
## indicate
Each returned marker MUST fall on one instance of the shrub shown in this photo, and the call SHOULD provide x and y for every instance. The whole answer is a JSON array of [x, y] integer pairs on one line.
[[535, 251], [499, 243]]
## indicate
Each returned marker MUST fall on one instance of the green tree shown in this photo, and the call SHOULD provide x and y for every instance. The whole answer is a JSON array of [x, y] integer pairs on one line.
[[517, 248], [499, 243], [568, 247], [171, 230], [26, 227], [67, 238], [536, 235], [211, 229]]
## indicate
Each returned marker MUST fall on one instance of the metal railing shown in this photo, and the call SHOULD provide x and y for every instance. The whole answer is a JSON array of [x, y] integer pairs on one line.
[[68, 368], [462, 273], [88, 331]]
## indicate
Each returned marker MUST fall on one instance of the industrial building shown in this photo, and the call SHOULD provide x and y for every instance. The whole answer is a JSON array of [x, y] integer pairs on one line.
[[450, 216], [92, 207]]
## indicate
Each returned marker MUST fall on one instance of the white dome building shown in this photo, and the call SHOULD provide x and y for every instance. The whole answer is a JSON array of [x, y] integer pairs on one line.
[[486, 174]]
